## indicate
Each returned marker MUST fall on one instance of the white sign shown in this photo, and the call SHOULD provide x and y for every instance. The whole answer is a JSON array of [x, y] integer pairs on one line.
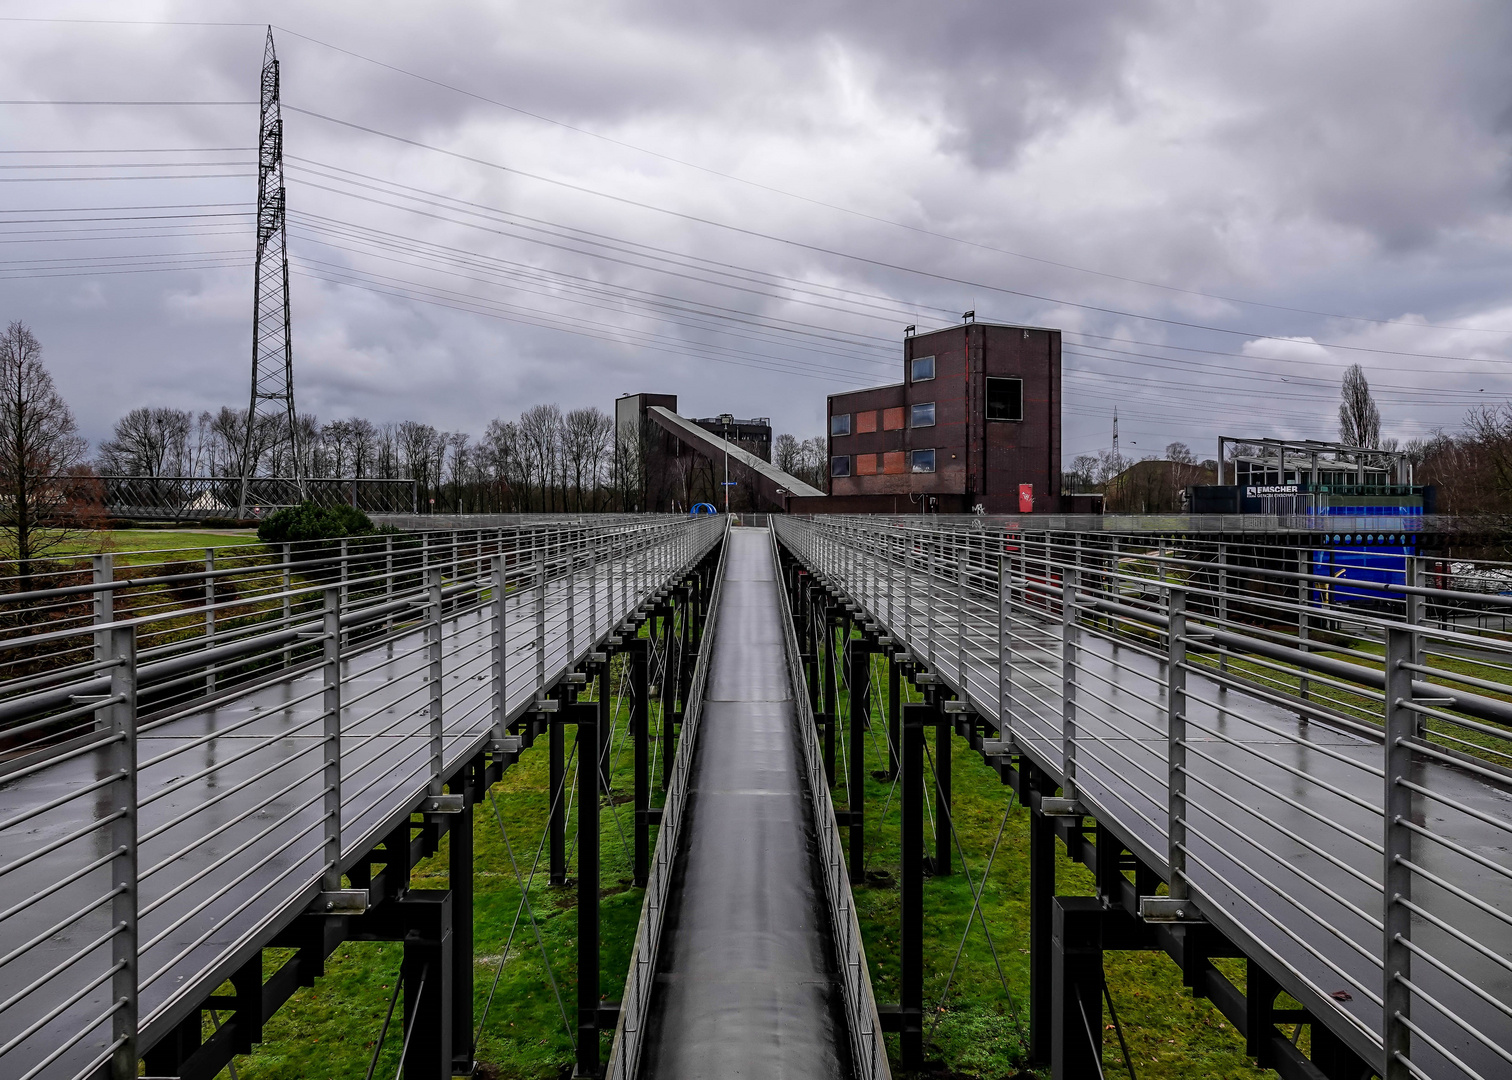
[[1256, 491]]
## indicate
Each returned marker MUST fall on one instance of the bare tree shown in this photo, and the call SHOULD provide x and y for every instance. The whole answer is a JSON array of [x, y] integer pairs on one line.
[[364, 438], [1180, 453], [41, 454], [541, 428], [149, 442], [585, 442], [785, 453], [1359, 419]]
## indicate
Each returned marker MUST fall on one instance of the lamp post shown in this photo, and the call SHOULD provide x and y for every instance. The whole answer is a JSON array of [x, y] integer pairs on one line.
[[725, 420]]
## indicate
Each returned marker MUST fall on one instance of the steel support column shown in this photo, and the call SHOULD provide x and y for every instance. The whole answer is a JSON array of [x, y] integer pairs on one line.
[[1041, 915], [859, 663], [556, 739], [940, 865], [460, 876], [1076, 975], [894, 715], [911, 888], [587, 717], [640, 731]]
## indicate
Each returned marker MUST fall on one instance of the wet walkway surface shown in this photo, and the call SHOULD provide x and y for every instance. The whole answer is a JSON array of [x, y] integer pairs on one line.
[[747, 985]]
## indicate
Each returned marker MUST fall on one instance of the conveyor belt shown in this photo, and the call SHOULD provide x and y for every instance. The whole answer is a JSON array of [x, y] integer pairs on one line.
[[747, 985]]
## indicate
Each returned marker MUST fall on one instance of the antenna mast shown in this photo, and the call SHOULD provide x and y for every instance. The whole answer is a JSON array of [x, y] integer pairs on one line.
[[1115, 430], [272, 356]]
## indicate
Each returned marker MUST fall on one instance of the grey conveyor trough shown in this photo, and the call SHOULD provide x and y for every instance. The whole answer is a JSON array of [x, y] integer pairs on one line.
[[747, 984]]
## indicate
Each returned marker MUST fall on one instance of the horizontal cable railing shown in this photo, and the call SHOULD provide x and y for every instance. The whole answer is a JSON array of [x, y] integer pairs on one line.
[[1315, 757], [635, 1003], [175, 781]]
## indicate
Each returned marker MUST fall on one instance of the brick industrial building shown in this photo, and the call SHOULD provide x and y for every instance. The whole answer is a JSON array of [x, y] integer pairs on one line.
[[976, 421]]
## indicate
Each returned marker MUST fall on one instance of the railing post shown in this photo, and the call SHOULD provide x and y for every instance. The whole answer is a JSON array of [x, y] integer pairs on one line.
[[1401, 727], [1223, 602], [210, 614], [345, 575], [331, 709], [1412, 578], [437, 732], [104, 615], [1004, 653], [288, 601], [497, 644], [123, 866], [1069, 642], [540, 619], [1176, 604], [572, 650], [929, 604], [1304, 621]]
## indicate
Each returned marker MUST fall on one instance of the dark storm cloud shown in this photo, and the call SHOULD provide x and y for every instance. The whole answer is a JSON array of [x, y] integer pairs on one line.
[[1347, 158]]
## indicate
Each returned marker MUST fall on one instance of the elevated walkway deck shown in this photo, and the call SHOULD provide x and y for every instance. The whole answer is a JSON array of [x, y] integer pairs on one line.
[[747, 984]]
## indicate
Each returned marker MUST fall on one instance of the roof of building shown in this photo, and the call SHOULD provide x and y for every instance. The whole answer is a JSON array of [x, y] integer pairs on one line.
[[710, 444]]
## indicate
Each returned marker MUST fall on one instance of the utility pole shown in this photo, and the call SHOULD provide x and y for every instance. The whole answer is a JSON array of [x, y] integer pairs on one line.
[[725, 421], [272, 357]]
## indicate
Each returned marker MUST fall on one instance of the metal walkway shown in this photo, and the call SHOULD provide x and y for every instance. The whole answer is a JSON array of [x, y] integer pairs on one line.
[[1154, 685], [747, 984], [144, 863]]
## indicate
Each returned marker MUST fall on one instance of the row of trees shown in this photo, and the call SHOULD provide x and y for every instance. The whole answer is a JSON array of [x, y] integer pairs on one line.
[[545, 460]]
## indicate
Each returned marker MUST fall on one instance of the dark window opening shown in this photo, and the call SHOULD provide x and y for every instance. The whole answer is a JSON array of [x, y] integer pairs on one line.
[[1005, 398]]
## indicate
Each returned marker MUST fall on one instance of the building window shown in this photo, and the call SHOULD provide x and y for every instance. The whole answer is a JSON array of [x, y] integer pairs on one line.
[[922, 461], [840, 465], [1005, 399], [922, 368], [840, 424], [922, 415]]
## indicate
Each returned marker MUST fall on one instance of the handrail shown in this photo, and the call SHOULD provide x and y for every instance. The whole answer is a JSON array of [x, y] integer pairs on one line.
[[868, 1050], [640, 980]]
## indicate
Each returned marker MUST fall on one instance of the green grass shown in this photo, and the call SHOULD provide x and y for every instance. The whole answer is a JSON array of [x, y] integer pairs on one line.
[[979, 1030], [329, 1030], [127, 544]]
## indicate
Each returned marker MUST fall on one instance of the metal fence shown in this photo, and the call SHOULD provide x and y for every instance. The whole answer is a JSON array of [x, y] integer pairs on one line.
[[194, 498], [192, 758], [1326, 782], [868, 1049], [635, 1003]]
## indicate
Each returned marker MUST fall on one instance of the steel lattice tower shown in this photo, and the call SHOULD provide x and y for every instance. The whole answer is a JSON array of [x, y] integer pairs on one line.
[[272, 355]]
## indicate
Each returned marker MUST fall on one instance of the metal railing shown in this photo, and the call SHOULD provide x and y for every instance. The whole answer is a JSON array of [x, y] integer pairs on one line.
[[1320, 771], [179, 782], [193, 498], [868, 1049], [640, 980]]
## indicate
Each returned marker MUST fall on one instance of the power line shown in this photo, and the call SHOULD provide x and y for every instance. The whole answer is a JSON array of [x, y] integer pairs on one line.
[[27, 101], [849, 210], [866, 260], [108, 179], [407, 191]]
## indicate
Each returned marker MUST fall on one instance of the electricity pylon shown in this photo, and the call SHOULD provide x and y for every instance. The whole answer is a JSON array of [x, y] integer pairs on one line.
[[272, 356]]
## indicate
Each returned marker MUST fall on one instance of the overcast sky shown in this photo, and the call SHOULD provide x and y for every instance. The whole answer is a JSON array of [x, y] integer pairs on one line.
[[744, 204]]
